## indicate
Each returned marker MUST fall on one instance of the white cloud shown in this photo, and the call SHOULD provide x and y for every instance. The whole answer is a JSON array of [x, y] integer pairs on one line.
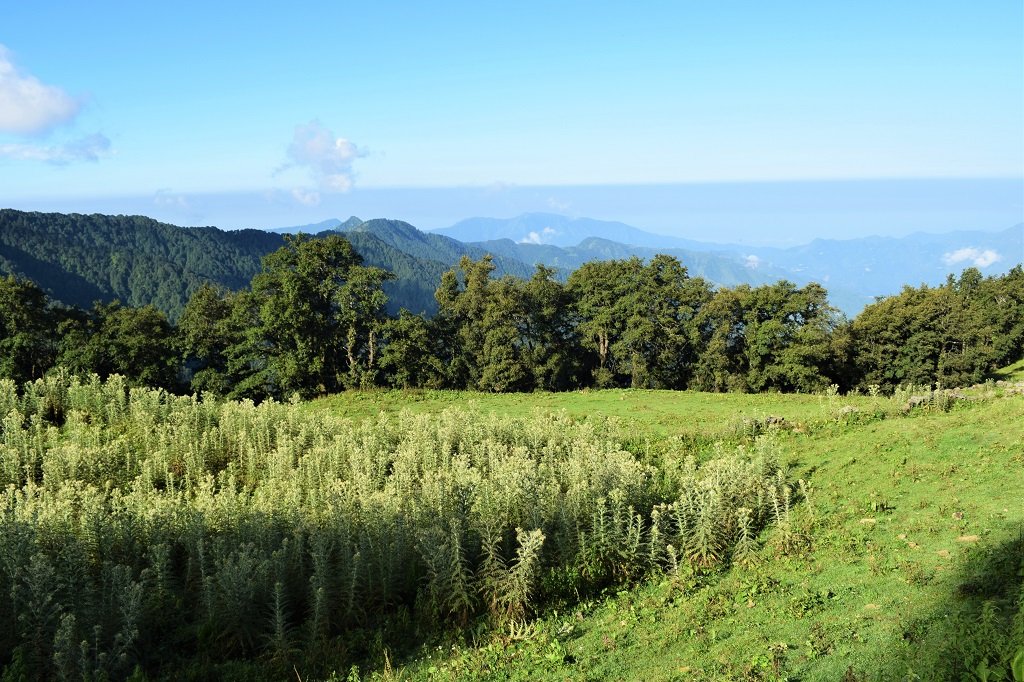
[[560, 206], [752, 262], [976, 257], [326, 157], [88, 148], [27, 106], [166, 198], [306, 197], [534, 237]]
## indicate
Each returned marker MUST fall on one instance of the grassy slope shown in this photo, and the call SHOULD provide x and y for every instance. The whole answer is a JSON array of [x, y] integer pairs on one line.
[[1014, 372], [656, 415], [912, 519]]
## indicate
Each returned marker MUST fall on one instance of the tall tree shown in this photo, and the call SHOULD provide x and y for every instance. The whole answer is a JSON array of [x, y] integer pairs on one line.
[[462, 303], [299, 341], [360, 304], [551, 344], [601, 291], [639, 320], [27, 330], [788, 331], [411, 356], [207, 330], [722, 360]]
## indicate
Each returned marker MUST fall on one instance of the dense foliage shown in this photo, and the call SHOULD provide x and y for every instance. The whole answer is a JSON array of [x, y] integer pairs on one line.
[[81, 259], [954, 334], [314, 320], [171, 535]]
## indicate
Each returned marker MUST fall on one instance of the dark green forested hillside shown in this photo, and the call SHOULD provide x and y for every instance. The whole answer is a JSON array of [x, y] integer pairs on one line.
[[415, 278], [435, 247], [417, 259], [78, 259]]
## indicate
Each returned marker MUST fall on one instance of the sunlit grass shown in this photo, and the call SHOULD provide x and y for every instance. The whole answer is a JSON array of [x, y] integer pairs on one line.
[[1014, 372], [918, 522]]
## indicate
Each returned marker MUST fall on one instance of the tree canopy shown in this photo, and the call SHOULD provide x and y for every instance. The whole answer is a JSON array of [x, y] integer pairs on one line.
[[314, 321]]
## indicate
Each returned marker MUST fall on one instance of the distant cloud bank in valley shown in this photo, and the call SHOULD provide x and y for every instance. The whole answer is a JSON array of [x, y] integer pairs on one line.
[[979, 258]]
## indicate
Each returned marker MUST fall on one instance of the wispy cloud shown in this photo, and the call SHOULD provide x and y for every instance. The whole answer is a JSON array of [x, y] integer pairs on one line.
[[560, 206], [88, 148], [977, 257], [306, 197], [167, 198], [326, 157], [534, 237], [28, 106]]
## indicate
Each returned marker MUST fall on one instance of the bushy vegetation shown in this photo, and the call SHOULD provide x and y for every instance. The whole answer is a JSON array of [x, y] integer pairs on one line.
[[167, 536], [314, 321], [907, 563]]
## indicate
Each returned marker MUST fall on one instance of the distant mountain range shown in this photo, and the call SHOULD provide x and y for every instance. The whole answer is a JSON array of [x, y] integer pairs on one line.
[[78, 259], [316, 228], [558, 230], [855, 271]]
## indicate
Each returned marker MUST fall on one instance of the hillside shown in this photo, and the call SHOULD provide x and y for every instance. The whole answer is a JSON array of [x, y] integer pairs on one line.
[[433, 247], [911, 530], [78, 259], [418, 259]]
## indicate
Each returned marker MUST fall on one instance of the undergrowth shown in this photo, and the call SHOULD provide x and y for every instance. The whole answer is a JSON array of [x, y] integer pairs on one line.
[[148, 535]]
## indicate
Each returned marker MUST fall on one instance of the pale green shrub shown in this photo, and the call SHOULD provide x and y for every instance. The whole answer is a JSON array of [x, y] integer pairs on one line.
[[130, 518]]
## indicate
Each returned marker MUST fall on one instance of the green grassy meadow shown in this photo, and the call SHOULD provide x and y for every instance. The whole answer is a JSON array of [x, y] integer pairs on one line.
[[647, 414], [908, 567], [594, 535]]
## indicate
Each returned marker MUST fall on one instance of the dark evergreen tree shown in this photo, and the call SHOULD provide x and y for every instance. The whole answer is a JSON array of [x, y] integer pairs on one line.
[[411, 356], [137, 343], [27, 330], [206, 331]]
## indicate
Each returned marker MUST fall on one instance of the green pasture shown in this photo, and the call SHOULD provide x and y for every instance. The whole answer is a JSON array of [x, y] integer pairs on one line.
[[911, 567], [652, 414]]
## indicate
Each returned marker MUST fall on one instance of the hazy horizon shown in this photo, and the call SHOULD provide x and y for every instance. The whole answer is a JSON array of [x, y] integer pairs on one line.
[[761, 123], [762, 214]]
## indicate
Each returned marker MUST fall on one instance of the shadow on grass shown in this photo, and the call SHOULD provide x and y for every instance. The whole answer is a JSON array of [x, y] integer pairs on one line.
[[976, 632]]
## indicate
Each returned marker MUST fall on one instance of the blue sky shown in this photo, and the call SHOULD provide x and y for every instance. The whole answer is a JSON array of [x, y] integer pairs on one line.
[[258, 114]]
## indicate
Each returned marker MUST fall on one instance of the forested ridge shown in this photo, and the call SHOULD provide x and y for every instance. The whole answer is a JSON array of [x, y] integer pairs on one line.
[[315, 320], [80, 259]]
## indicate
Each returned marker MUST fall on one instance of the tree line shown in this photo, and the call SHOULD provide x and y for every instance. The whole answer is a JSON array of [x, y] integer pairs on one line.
[[313, 321]]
